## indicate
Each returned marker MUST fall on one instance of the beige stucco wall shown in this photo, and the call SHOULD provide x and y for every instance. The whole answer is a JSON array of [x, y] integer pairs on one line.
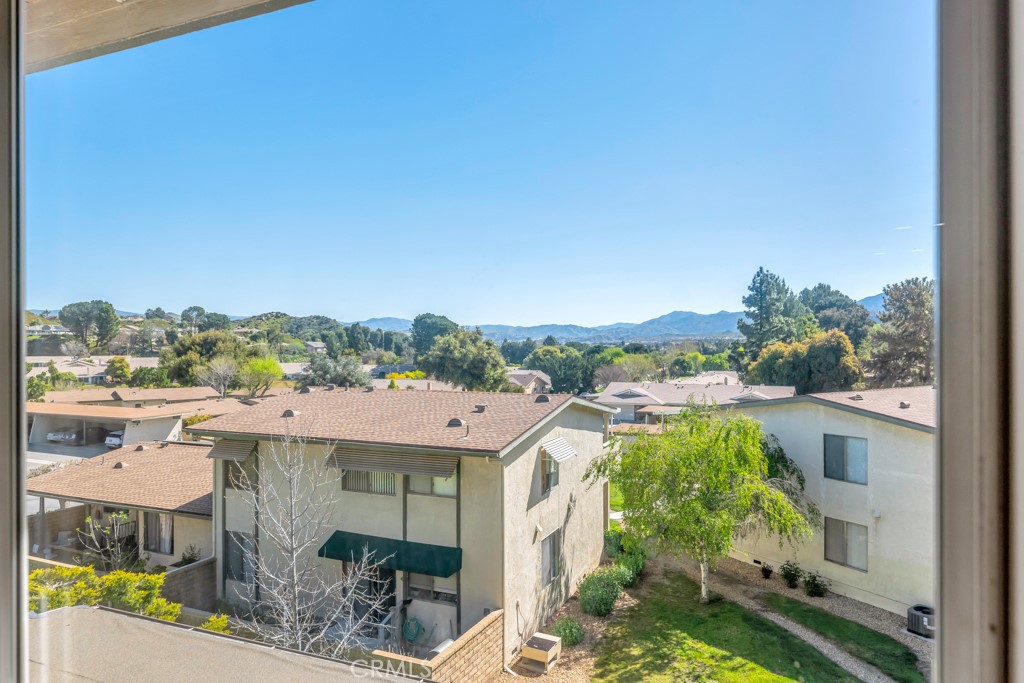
[[481, 538], [155, 429], [187, 531], [897, 505], [573, 505]]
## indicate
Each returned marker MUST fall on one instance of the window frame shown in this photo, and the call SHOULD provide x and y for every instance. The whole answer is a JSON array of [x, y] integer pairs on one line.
[[230, 542], [157, 517], [978, 533], [549, 473], [372, 478], [846, 458], [432, 589], [433, 486], [553, 571], [846, 543]]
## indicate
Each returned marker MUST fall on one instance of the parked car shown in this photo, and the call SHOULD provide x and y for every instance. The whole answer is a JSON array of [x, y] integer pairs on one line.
[[68, 435], [76, 437], [115, 439]]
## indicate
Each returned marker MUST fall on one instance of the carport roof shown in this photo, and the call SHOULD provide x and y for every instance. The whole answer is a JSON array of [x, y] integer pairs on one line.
[[102, 412]]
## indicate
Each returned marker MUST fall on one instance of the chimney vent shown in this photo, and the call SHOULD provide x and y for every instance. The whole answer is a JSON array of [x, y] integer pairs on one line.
[[481, 407], [305, 390], [456, 422], [290, 413]]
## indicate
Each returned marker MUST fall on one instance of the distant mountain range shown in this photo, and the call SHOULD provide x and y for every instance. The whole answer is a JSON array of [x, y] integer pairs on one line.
[[675, 325]]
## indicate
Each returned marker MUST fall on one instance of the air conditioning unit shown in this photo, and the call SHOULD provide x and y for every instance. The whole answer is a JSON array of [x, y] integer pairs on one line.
[[921, 621]]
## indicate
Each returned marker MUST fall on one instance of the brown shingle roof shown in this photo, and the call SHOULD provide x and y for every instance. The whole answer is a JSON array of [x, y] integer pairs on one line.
[[176, 478], [131, 394], [678, 393], [101, 412], [397, 418]]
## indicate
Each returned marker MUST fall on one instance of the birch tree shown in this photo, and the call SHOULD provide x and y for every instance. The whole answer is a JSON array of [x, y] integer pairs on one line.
[[294, 598], [699, 484], [219, 373]]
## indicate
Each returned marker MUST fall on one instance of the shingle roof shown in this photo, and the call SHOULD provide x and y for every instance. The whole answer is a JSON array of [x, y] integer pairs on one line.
[[396, 418], [213, 406], [912, 404], [131, 394], [102, 412], [678, 393], [177, 478], [523, 377], [417, 384]]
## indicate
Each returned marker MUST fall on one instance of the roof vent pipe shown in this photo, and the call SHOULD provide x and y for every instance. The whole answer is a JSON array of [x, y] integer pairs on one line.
[[904, 404], [305, 390], [330, 387], [140, 447], [120, 465]]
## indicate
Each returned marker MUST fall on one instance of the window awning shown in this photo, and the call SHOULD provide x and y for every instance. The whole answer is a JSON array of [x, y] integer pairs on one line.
[[351, 459], [559, 449], [232, 449], [406, 556]]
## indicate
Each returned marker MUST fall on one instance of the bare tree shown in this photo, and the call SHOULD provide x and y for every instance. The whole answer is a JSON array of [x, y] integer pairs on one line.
[[74, 348], [114, 544], [606, 374], [294, 598], [219, 373]]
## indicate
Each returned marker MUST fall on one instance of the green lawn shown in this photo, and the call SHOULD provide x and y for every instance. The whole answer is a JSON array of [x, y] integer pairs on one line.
[[670, 638], [614, 498], [881, 651]]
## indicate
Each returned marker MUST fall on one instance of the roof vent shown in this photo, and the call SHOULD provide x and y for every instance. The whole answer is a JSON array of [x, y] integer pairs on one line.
[[856, 397], [542, 398], [456, 422], [305, 390], [120, 465], [330, 387], [290, 413], [163, 444], [140, 447], [481, 407], [904, 404], [369, 389]]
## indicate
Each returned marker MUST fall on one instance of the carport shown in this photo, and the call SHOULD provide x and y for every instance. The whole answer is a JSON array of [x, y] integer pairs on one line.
[[138, 424]]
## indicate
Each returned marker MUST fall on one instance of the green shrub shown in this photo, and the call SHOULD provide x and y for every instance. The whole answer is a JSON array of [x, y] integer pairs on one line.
[[791, 573], [634, 559], [612, 543], [816, 585], [623, 575], [570, 630], [598, 592], [766, 571]]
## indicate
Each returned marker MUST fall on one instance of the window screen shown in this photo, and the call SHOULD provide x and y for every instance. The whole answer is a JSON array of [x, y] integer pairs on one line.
[[846, 458]]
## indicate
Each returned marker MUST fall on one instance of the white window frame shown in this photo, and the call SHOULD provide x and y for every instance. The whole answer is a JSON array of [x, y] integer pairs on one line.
[[846, 458], [846, 543], [981, 527]]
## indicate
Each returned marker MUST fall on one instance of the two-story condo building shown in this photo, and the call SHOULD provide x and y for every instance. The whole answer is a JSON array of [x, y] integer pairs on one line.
[[478, 499], [651, 402], [869, 461]]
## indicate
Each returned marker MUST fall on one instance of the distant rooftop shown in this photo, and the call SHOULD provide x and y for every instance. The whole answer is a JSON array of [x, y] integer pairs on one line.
[[650, 394], [171, 394], [102, 412]]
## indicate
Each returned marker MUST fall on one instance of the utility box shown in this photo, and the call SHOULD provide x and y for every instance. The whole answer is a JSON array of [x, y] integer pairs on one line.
[[921, 621], [543, 649]]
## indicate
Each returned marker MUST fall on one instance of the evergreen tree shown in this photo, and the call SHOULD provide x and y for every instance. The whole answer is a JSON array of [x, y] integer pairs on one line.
[[901, 350]]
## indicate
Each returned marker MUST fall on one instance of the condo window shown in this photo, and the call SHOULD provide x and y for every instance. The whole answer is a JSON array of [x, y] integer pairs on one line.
[[548, 472], [846, 543], [381, 483], [846, 458], [159, 533], [551, 561], [433, 486], [433, 588], [235, 545]]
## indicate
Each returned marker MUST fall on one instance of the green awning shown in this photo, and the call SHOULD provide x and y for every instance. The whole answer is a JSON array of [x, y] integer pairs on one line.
[[406, 556]]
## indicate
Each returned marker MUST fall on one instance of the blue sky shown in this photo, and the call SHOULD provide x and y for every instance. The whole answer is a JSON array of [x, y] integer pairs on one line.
[[516, 162]]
